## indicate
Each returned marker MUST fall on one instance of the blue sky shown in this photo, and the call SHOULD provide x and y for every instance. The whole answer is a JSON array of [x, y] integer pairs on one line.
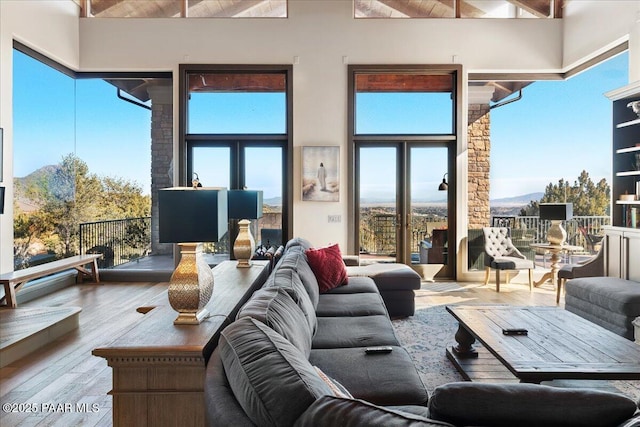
[[557, 129]]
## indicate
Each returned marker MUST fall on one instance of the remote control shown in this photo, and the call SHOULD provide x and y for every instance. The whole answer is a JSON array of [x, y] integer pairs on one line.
[[378, 350], [514, 331]]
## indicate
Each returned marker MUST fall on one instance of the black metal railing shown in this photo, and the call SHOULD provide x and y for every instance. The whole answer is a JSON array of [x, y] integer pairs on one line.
[[119, 240]]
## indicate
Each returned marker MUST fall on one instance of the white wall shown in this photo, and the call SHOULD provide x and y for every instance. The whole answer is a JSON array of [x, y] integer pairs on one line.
[[52, 28], [320, 33], [592, 27]]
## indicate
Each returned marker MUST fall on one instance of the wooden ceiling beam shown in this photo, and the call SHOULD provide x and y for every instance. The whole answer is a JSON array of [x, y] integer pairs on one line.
[[539, 8], [236, 82], [404, 83]]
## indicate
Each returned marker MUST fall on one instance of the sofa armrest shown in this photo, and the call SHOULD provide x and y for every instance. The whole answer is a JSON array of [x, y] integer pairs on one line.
[[351, 260], [465, 403]]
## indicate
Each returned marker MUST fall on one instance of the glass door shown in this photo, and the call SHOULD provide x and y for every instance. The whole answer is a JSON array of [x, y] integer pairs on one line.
[[427, 206], [403, 205], [378, 199], [263, 171]]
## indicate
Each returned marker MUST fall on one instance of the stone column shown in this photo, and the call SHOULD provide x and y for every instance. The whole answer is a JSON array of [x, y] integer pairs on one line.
[[479, 146], [161, 155]]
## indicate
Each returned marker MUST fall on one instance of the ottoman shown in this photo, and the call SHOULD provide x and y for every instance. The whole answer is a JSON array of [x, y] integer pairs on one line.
[[396, 283], [610, 302]]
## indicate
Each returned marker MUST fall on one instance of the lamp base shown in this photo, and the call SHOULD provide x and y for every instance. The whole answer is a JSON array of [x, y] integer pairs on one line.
[[245, 245], [191, 318], [556, 235], [191, 285]]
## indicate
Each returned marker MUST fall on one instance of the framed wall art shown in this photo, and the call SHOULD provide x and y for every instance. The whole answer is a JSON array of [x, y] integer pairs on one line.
[[321, 173]]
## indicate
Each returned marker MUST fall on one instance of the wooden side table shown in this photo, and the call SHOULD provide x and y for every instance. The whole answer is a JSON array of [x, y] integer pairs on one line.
[[555, 251], [159, 367]]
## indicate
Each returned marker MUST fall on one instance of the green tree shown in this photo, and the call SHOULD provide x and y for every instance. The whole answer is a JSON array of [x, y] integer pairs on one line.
[[588, 199], [66, 195]]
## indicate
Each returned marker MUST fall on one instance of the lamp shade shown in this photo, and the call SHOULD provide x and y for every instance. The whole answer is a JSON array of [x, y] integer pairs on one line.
[[192, 215], [245, 204], [556, 211]]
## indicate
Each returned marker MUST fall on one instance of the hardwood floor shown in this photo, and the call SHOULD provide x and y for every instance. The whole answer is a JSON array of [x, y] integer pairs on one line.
[[64, 385]]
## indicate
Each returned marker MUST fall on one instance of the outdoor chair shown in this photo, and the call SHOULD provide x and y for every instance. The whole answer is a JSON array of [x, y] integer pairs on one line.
[[592, 240], [592, 267], [501, 254]]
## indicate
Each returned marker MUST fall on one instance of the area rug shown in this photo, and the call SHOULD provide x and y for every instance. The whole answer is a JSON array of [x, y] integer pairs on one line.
[[427, 334]]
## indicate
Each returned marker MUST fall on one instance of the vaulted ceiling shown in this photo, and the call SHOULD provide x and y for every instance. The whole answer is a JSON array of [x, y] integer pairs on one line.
[[362, 8]]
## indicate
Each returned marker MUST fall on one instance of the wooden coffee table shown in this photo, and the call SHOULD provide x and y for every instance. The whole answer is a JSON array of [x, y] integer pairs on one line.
[[558, 345]]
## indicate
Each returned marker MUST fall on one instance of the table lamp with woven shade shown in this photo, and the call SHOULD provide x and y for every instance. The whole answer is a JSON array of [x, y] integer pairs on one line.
[[556, 213], [244, 205], [188, 217]]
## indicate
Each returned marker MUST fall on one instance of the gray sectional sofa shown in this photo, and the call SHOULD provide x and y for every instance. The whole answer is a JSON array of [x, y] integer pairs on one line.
[[295, 356]]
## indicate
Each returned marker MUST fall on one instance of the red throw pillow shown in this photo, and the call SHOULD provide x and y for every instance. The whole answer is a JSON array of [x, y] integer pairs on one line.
[[328, 266]]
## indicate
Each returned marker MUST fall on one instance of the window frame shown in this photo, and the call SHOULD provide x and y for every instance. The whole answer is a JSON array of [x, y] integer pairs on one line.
[[237, 142]]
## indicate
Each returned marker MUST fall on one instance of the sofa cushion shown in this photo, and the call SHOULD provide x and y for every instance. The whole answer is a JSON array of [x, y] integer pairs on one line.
[[382, 379], [329, 411], [354, 331], [276, 309], [388, 276], [289, 280], [357, 285], [295, 260], [302, 243], [527, 405], [364, 304], [617, 295], [271, 379], [328, 267]]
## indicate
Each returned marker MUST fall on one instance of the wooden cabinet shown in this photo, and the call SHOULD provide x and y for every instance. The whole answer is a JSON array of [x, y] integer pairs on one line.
[[626, 157], [159, 368], [622, 257]]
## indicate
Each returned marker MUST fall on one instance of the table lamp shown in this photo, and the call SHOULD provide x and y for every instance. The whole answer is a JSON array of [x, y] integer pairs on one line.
[[244, 205], [556, 213], [188, 217]]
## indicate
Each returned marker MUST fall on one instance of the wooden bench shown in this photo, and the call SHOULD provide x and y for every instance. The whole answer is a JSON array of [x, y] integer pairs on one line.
[[14, 280]]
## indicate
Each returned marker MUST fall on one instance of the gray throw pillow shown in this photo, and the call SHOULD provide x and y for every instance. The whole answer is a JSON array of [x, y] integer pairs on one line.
[[330, 411], [270, 378], [527, 405], [276, 309]]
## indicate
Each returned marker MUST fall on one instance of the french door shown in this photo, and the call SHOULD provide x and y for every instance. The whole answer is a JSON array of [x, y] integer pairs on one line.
[[403, 208]]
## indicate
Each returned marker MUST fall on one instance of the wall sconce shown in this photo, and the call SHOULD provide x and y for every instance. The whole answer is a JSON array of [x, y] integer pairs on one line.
[[189, 216], [556, 213], [244, 205], [444, 186]]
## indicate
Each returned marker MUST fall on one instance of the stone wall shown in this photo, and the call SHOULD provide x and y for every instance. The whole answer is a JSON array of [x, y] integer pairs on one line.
[[161, 157], [479, 141]]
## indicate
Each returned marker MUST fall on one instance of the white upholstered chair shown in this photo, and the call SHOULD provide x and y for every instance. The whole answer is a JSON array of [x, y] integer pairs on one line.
[[501, 254]]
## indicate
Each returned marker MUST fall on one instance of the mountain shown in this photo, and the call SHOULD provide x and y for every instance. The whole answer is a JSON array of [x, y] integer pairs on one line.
[[517, 200]]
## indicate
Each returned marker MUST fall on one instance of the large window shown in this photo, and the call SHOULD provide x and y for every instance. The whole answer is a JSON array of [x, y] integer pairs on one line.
[[186, 9], [236, 127], [82, 156], [458, 9]]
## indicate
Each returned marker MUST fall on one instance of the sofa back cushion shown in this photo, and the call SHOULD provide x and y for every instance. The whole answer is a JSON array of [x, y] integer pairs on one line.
[[330, 411], [276, 309], [290, 281], [527, 405], [297, 260], [271, 379]]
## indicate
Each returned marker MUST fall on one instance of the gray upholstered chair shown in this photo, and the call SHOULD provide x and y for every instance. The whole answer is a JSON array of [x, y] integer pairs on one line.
[[593, 267], [501, 254]]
